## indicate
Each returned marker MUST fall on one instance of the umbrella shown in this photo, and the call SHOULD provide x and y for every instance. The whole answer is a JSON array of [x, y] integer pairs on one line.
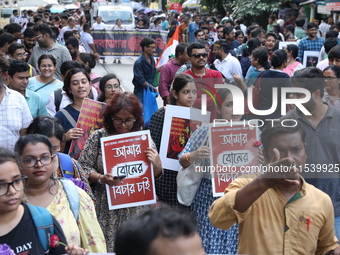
[[57, 9], [141, 9], [147, 10]]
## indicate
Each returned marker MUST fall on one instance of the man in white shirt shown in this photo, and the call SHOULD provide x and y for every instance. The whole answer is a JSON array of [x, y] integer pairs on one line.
[[99, 25], [71, 25], [87, 39], [225, 62]]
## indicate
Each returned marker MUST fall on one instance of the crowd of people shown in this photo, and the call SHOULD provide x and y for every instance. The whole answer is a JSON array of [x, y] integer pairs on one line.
[[46, 72]]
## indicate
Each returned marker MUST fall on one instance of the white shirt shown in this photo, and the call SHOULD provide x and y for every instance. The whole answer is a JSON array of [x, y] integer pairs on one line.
[[65, 101], [86, 39], [97, 26], [228, 67], [64, 29], [14, 116]]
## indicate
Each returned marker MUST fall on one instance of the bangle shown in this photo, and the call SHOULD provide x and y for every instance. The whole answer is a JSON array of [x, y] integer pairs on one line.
[[98, 180], [187, 157]]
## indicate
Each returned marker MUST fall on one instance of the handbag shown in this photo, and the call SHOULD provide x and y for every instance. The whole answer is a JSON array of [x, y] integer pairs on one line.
[[256, 97], [149, 104], [188, 181]]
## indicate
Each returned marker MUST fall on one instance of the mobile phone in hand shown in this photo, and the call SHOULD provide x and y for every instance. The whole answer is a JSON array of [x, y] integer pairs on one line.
[[119, 177]]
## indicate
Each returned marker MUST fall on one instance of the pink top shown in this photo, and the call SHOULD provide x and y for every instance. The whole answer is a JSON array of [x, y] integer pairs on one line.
[[292, 68]]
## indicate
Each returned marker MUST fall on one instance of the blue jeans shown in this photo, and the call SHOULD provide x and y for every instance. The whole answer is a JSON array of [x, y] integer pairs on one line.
[[337, 227]]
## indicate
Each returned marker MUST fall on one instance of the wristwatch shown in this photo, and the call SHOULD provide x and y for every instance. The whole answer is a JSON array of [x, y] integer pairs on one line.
[[98, 180]]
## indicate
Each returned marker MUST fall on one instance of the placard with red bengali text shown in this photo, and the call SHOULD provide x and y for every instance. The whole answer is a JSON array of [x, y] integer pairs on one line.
[[232, 153], [125, 155], [90, 119]]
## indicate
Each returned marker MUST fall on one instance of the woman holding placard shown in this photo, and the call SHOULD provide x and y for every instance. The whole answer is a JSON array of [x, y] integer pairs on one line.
[[215, 241], [183, 92], [77, 85], [122, 115]]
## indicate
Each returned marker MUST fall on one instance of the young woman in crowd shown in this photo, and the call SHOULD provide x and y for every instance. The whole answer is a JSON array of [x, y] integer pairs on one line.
[[45, 83], [332, 86], [122, 115], [245, 62], [79, 222], [292, 64], [197, 152], [82, 22], [77, 86], [270, 43], [90, 60], [118, 26], [17, 227], [182, 93], [109, 85], [271, 78], [67, 167]]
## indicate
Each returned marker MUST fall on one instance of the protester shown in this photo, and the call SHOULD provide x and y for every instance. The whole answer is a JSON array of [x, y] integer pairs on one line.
[[37, 162], [17, 51], [197, 152], [87, 39], [183, 93], [45, 83], [118, 26], [16, 222], [122, 115], [294, 211], [18, 74], [160, 230], [29, 41], [77, 86], [332, 86], [109, 85], [292, 64]]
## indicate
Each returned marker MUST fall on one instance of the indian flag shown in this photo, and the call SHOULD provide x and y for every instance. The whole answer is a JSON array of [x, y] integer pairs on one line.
[[168, 51]]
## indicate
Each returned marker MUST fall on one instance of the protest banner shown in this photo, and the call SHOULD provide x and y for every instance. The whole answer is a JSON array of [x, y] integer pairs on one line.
[[179, 123], [90, 119], [124, 155], [233, 153], [125, 43]]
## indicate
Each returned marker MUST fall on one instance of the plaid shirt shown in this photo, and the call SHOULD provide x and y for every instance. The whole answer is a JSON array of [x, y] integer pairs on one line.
[[307, 44]]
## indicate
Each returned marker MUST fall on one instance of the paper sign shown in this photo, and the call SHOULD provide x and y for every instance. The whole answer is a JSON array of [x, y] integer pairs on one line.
[[232, 154], [179, 123], [124, 155]]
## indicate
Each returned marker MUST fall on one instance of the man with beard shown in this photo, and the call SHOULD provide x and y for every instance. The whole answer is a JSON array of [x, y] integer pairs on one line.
[[278, 210], [15, 115], [229, 35], [312, 42], [205, 78], [47, 45], [322, 133], [225, 62], [72, 45], [29, 42]]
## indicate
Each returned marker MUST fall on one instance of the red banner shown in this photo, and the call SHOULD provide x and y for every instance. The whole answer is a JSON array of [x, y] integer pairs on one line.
[[124, 155]]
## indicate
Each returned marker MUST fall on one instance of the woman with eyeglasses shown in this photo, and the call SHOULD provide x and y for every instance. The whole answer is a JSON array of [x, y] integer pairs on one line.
[[67, 167], [70, 205], [332, 85], [123, 114], [77, 85], [45, 83], [17, 228], [109, 85]]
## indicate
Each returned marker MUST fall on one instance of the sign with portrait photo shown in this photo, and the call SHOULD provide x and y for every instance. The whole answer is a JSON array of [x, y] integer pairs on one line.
[[233, 153], [179, 123], [124, 155], [310, 58]]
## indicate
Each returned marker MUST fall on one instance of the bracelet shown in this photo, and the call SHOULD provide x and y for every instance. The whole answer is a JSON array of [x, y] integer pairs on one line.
[[98, 180], [187, 157]]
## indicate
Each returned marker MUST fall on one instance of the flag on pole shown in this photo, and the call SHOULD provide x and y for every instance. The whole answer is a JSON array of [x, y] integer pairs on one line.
[[168, 51]]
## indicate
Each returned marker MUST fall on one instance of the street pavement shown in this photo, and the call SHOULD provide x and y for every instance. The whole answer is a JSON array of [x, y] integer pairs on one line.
[[123, 71]]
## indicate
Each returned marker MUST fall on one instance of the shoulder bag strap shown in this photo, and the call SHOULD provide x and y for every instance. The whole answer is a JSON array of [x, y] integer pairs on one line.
[[45, 85], [69, 117]]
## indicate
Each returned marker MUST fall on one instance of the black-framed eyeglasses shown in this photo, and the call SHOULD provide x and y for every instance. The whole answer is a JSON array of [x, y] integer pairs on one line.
[[199, 55], [128, 122], [45, 161], [18, 184], [330, 78]]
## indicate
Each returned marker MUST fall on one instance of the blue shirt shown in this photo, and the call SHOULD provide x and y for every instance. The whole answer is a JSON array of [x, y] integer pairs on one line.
[[191, 31], [165, 25], [35, 104], [307, 44], [143, 71]]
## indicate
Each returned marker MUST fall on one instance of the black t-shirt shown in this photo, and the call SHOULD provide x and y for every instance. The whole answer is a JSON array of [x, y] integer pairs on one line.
[[24, 240]]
